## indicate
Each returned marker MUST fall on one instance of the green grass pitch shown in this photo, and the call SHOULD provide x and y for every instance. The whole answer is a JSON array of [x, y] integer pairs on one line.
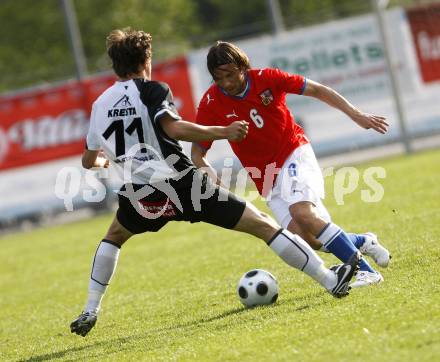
[[173, 295]]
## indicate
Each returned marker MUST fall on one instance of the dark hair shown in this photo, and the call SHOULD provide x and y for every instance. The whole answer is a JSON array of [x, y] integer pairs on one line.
[[128, 49], [226, 53]]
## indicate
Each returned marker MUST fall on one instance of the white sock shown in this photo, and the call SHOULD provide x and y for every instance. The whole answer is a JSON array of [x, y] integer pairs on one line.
[[298, 254], [104, 265]]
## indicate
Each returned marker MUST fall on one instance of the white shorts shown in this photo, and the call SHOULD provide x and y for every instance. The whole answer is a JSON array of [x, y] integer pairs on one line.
[[300, 179]]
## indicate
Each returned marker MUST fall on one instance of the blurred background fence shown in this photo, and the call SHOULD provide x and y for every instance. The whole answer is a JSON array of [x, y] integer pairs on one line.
[[384, 56]]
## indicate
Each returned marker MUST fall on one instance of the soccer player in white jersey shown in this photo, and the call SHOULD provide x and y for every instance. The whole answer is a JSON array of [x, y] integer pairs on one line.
[[136, 125]]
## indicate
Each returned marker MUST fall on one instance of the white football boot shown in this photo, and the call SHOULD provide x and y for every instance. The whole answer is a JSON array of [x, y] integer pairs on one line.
[[372, 248], [364, 278]]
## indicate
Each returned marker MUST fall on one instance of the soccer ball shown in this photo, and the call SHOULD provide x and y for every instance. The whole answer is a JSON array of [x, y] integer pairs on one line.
[[257, 287]]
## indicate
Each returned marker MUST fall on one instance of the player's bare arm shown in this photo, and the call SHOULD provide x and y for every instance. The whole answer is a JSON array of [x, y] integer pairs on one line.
[[94, 159], [334, 99], [191, 132]]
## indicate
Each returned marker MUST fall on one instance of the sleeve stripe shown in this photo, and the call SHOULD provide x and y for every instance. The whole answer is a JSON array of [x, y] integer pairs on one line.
[[304, 86], [171, 113]]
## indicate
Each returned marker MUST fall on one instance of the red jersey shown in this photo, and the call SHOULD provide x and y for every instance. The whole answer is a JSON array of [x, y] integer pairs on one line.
[[273, 134]]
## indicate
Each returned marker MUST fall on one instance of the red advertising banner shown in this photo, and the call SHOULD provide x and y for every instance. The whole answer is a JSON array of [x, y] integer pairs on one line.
[[51, 123], [425, 27]]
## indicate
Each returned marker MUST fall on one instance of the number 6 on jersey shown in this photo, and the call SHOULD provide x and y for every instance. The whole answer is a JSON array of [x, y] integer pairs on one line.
[[256, 118]]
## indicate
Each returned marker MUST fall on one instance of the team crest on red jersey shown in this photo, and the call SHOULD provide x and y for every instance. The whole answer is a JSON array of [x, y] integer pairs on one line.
[[266, 97]]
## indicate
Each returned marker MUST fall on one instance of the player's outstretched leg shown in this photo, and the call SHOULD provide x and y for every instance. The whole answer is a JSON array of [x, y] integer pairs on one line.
[[297, 253]]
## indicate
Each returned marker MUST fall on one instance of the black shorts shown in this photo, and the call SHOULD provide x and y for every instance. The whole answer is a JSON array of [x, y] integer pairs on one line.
[[152, 212]]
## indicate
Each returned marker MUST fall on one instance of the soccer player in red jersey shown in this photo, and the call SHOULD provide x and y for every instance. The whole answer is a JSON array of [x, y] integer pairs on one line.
[[275, 142]]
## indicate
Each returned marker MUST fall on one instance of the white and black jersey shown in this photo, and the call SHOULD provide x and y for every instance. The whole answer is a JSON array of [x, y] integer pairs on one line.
[[125, 125]]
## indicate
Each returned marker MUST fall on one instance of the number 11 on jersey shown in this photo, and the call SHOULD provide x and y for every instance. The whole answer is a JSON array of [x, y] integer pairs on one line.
[[117, 127]]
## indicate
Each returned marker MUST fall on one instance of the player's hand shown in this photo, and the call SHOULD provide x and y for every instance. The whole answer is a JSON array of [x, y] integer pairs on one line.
[[237, 131], [367, 121]]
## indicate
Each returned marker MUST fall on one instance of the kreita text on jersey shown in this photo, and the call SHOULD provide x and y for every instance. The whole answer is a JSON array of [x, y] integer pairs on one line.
[[121, 112]]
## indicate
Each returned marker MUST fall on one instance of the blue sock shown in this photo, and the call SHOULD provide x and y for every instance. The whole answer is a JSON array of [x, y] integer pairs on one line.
[[339, 244], [357, 239]]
